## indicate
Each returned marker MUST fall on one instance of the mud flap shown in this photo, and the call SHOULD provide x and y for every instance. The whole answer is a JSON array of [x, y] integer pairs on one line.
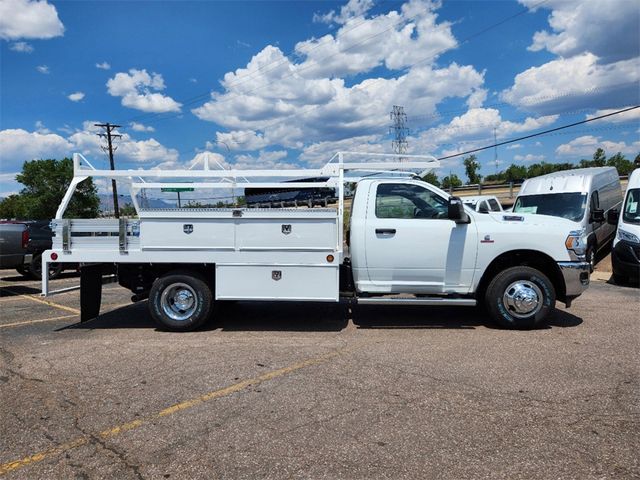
[[90, 291]]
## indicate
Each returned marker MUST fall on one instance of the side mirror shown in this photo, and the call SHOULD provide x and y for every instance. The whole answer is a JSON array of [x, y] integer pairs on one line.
[[597, 215], [613, 216], [456, 211]]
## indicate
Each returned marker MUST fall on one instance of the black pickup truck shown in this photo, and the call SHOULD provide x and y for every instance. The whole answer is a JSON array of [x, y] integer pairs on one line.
[[21, 247]]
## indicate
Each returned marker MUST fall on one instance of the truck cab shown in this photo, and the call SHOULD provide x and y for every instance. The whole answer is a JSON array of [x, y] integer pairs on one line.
[[409, 237]]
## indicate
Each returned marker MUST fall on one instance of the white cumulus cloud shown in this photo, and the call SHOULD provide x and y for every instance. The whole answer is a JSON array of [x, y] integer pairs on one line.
[[353, 9], [597, 56], [139, 127], [18, 146], [103, 66], [76, 96], [630, 116], [43, 69], [29, 19], [22, 47], [294, 103], [585, 145], [607, 29], [529, 158], [139, 90]]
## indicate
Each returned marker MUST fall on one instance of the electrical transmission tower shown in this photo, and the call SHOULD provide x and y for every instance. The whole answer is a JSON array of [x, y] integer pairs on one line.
[[399, 130], [109, 128]]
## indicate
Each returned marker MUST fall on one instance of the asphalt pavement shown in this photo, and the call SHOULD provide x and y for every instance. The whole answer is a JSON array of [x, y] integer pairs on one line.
[[301, 391]]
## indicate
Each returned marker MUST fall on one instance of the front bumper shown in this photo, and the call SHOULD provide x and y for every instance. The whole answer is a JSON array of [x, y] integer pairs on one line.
[[625, 259], [576, 278]]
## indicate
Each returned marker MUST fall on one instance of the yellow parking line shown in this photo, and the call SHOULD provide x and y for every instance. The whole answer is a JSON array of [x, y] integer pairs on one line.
[[178, 407], [28, 322], [46, 302]]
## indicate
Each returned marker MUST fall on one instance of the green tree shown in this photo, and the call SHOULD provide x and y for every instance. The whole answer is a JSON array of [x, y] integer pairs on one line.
[[12, 207], [451, 181], [471, 167], [431, 178], [45, 183], [624, 166], [128, 210], [599, 158], [515, 172]]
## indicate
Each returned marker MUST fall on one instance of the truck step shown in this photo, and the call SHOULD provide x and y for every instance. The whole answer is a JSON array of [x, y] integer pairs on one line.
[[425, 301]]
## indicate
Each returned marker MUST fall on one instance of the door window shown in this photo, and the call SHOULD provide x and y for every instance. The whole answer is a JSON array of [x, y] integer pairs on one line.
[[595, 201], [494, 205], [398, 200]]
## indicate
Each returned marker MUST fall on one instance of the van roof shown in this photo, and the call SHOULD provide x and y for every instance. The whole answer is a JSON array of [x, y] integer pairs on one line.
[[577, 180], [634, 179]]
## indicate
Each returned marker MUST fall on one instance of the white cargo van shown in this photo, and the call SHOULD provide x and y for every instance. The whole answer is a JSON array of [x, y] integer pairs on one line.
[[625, 255], [583, 195]]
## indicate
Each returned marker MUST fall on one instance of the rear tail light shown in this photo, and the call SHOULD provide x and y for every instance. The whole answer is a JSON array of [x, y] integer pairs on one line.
[[25, 238]]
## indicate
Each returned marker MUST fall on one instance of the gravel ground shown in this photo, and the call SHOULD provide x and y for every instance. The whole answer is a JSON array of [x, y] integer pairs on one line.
[[300, 391]]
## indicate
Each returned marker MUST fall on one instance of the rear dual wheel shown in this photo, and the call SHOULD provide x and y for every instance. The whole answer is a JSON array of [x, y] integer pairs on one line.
[[520, 298], [180, 301]]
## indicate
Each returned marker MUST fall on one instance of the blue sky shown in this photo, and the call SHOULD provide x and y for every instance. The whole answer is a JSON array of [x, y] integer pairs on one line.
[[286, 83]]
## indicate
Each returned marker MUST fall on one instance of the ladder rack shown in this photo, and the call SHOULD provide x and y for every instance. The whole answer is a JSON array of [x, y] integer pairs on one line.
[[334, 170]]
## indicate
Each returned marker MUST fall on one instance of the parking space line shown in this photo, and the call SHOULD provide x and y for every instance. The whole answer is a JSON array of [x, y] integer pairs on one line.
[[29, 322], [178, 407], [46, 302]]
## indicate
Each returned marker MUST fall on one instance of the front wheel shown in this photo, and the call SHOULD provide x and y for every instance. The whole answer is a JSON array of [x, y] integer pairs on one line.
[[590, 258], [520, 298], [180, 301]]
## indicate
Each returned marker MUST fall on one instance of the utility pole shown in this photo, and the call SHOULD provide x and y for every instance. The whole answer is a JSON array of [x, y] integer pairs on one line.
[[399, 130], [495, 151], [109, 128]]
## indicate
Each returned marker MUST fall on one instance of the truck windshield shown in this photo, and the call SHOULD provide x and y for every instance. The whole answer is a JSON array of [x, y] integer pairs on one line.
[[631, 211], [566, 205]]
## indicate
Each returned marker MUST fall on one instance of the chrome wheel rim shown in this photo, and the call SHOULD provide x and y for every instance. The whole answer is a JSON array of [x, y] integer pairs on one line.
[[179, 301], [522, 299]]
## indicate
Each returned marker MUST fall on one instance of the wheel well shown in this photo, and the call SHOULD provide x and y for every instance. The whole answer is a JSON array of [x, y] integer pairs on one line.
[[138, 277], [529, 258]]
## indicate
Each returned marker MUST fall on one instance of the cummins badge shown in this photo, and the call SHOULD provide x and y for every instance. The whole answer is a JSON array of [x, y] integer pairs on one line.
[[187, 228], [276, 274], [286, 229]]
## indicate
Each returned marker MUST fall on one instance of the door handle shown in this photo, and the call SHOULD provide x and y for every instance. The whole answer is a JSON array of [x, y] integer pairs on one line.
[[385, 231]]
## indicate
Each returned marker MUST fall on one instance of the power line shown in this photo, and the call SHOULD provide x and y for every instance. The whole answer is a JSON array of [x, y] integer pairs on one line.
[[513, 140]]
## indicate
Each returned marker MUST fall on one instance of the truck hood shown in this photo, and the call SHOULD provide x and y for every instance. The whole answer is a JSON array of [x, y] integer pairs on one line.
[[533, 219]]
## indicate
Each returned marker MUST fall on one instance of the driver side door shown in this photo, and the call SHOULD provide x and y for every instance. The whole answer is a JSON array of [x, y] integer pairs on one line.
[[412, 246]]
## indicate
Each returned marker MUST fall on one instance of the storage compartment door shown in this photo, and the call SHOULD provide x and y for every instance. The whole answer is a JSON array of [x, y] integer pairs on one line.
[[276, 282]]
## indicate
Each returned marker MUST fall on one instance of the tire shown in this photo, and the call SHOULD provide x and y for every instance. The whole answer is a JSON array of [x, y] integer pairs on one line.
[[180, 301], [35, 269], [590, 257], [22, 270], [619, 279], [520, 298]]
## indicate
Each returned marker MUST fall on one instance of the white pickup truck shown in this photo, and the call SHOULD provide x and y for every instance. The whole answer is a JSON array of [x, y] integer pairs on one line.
[[406, 243]]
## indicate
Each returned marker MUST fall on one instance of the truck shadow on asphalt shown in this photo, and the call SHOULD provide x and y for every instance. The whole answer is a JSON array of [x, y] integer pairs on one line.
[[317, 317], [442, 318], [14, 290]]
